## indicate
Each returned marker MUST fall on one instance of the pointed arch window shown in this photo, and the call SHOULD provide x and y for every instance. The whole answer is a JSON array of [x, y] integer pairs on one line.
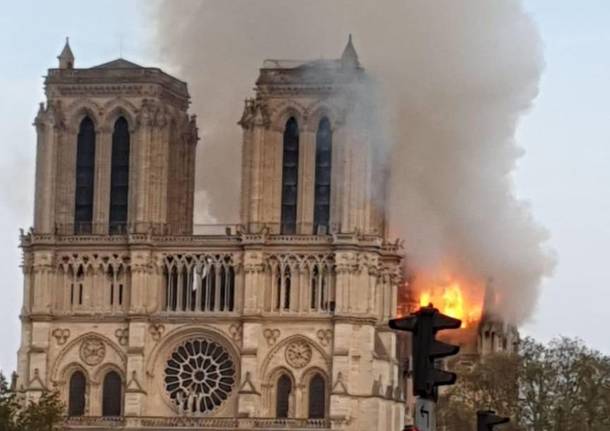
[[283, 396], [321, 214], [317, 397], [112, 394], [290, 177], [76, 397], [119, 177], [85, 173]]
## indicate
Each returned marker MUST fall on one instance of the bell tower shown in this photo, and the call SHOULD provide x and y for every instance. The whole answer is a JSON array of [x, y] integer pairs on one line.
[[309, 163], [312, 194], [116, 150]]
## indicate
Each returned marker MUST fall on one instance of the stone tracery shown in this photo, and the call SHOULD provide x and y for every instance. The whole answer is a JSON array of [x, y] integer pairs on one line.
[[199, 376]]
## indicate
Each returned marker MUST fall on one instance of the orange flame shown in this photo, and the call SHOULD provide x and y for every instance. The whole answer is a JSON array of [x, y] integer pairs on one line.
[[451, 299]]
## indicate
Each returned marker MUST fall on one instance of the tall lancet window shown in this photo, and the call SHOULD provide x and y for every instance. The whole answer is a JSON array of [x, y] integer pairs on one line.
[[112, 396], [85, 173], [290, 177], [76, 394], [119, 177], [283, 397], [317, 397], [321, 215]]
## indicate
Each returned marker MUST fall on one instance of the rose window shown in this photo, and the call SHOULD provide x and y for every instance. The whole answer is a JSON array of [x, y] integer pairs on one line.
[[199, 376]]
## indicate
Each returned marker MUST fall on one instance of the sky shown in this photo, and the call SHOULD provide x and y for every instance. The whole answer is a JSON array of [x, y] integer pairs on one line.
[[563, 174]]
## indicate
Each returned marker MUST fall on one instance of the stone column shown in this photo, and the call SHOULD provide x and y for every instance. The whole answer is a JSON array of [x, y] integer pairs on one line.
[[42, 282], [275, 147], [44, 199], [269, 180], [141, 162], [337, 176], [249, 403], [162, 164], [66, 177], [256, 178], [132, 198], [191, 154], [135, 394], [307, 167], [252, 295], [140, 286], [101, 185], [246, 174]]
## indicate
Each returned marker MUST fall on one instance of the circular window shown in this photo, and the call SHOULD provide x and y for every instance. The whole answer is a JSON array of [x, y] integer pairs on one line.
[[199, 376]]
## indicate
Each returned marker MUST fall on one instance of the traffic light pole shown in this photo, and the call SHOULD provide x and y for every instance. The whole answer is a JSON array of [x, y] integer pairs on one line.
[[426, 349], [425, 414]]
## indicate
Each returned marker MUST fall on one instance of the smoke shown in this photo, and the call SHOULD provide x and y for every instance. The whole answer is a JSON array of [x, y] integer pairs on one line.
[[455, 77]]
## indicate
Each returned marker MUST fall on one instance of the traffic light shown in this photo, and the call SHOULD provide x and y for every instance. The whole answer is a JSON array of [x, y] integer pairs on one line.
[[424, 325], [487, 420]]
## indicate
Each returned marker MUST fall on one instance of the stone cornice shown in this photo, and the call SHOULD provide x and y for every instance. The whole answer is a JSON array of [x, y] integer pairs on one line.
[[372, 243]]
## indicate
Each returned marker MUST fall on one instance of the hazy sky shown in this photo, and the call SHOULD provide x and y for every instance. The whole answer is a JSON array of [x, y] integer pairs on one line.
[[564, 173]]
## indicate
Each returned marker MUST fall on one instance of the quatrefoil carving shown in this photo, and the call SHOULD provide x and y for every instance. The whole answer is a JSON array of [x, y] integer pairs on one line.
[[61, 335], [122, 334], [271, 335], [325, 336]]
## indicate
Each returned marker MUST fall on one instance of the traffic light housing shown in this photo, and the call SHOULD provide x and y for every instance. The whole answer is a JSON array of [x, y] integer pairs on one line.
[[424, 324], [487, 420]]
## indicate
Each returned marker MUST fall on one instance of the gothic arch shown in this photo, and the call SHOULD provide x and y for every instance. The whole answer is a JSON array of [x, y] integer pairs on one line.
[[68, 370], [306, 384], [273, 392], [285, 342], [99, 374], [77, 393], [309, 373], [318, 110], [81, 108], [109, 389], [58, 369], [120, 107], [290, 109]]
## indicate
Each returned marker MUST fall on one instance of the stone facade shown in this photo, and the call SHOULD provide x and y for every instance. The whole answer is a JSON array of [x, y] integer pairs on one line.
[[203, 329]]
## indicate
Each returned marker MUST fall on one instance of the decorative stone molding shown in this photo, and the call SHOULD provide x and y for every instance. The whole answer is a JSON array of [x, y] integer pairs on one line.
[[95, 261], [92, 350], [36, 382], [122, 335], [61, 335], [133, 385], [339, 386], [298, 354], [271, 335], [235, 331], [156, 331], [325, 336], [247, 387]]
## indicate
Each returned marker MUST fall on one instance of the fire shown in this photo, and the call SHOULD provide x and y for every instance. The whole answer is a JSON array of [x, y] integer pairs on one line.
[[451, 299]]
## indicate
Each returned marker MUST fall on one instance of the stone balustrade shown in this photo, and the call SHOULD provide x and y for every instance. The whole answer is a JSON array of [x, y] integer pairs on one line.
[[198, 423]]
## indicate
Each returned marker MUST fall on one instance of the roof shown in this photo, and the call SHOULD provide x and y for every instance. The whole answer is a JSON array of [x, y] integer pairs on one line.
[[349, 58], [119, 63]]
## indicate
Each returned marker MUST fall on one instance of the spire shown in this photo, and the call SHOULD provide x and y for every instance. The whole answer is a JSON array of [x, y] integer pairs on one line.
[[66, 58], [349, 56]]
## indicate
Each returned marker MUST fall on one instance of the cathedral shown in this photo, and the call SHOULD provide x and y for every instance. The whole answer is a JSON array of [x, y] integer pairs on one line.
[[143, 321]]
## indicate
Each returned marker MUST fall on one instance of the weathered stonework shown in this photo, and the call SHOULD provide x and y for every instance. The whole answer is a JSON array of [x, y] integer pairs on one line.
[[173, 313]]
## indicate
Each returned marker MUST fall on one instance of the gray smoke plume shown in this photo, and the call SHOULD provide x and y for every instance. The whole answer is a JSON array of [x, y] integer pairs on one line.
[[455, 77]]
